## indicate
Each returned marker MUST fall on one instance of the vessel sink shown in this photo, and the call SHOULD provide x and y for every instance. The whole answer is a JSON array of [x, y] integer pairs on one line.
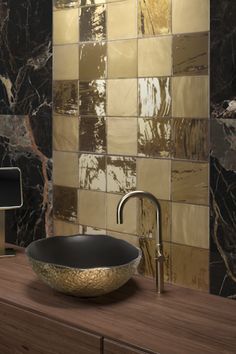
[[83, 265]]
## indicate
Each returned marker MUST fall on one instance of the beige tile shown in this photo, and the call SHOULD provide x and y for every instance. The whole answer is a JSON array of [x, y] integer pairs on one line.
[[122, 97], [190, 16], [190, 267], [122, 20], [92, 61], [92, 210], [62, 228], [153, 175], [65, 26], [190, 225], [130, 215], [190, 96], [65, 62], [122, 136], [132, 239], [122, 59], [121, 174], [90, 230], [65, 133], [65, 169], [154, 56]]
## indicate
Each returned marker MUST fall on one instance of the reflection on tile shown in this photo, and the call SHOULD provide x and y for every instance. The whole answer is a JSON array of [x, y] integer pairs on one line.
[[92, 210], [65, 169], [92, 134], [65, 26], [122, 91], [62, 228], [190, 16], [190, 54], [154, 137], [65, 62], [190, 96], [92, 2], [121, 174], [190, 225], [190, 138], [92, 23], [190, 182], [90, 230], [65, 203], [130, 215], [63, 4], [122, 136], [190, 267], [92, 172], [92, 61], [153, 175], [154, 17], [155, 56], [154, 97], [92, 98], [65, 133], [65, 97], [122, 59]]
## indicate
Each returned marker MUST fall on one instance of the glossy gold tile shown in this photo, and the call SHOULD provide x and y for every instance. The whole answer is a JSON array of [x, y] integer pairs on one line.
[[65, 26], [190, 54], [65, 169], [62, 228], [92, 61], [130, 215], [65, 203], [153, 175], [122, 136], [122, 97], [154, 17], [92, 172], [190, 267], [65, 62], [92, 134], [154, 97], [190, 16], [92, 209], [155, 56], [92, 22], [65, 4], [122, 59], [122, 20], [92, 98], [65, 97], [65, 133], [190, 182], [121, 174], [190, 225], [190, 96], [154, 137]]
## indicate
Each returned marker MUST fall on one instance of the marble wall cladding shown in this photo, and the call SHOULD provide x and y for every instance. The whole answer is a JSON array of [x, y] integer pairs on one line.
[[25, 113]]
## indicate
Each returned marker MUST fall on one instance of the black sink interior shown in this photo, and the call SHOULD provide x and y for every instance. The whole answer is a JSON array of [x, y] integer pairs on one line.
[[83, 251]]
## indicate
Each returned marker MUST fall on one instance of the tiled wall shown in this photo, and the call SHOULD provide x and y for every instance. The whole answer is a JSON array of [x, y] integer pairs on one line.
[[131, 112]]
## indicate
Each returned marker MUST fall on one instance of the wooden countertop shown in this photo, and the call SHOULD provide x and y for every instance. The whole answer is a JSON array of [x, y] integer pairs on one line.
[[179, 321]]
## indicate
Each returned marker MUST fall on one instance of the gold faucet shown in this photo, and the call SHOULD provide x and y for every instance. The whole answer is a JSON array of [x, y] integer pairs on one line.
[[159, 257]]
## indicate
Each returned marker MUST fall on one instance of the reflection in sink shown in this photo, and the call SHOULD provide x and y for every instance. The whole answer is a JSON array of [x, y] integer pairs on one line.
[[84, 265]]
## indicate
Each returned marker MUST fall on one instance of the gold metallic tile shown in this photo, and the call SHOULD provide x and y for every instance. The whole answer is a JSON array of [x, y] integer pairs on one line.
[[154, 97], [122, 136], [122, 59], [65, 62], [65, 133], [154, 137], [65, 169], [92, 98], [122, 97], [190, 54], [65, 97], [92, 2], [190, 96], [153, 175], [92, 23], [92, 61], [62, 228], [154, 17], [92, 172], [121, 174], [190, 182], [92, 134], [190, 225], [190, 267], [92, 209], [155, 56], [65, 4], [65, 26], [122, 20], [65, 203], [190, 16]]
